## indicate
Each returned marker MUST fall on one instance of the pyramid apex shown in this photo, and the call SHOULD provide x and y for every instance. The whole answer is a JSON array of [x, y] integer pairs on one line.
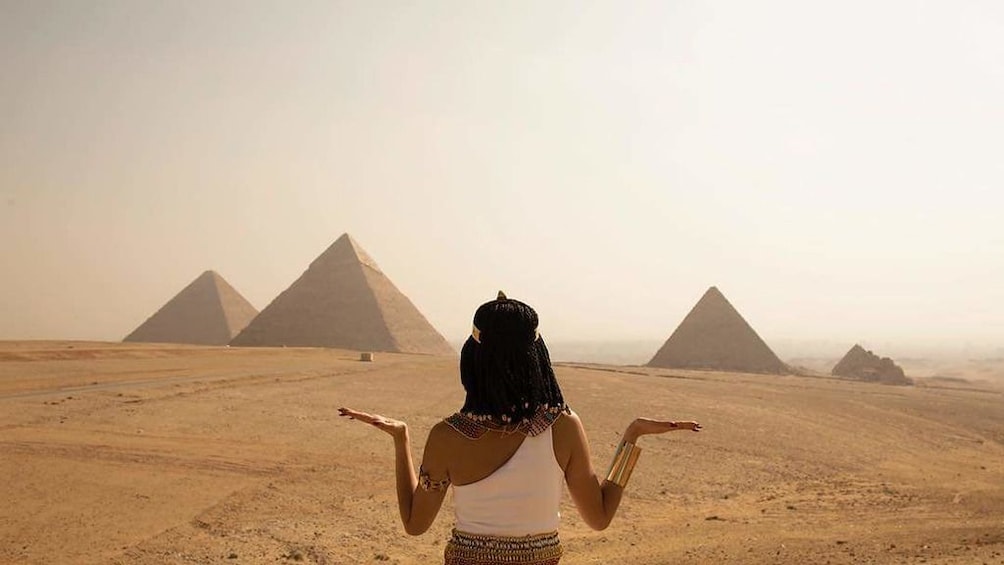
[[346, 248], [211, 277], [347, 239], [712, 296]]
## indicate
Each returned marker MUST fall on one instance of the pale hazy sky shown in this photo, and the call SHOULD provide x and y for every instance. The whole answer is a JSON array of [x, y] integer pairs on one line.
[[835, 168]]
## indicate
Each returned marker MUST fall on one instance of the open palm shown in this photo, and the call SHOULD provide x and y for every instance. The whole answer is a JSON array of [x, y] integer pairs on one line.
[[388, 425], [647, 426]]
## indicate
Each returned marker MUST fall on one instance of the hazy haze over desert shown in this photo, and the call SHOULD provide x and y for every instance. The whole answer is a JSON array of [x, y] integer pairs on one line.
[[834, 169]]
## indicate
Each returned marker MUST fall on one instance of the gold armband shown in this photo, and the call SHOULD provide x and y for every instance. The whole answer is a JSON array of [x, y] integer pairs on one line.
[[624, 461]]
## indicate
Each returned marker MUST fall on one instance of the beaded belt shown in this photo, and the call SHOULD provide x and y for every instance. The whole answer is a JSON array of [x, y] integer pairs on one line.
[[475, 549]]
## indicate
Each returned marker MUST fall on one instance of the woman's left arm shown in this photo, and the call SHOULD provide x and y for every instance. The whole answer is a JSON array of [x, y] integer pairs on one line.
[[419, 498]]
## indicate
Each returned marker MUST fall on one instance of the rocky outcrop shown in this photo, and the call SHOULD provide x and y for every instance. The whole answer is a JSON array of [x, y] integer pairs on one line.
[[864, 365]]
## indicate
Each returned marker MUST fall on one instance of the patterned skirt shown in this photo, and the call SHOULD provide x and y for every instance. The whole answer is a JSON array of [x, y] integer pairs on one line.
[[474, 549]]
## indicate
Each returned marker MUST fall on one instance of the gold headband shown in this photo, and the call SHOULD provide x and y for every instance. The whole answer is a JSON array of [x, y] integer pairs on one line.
[[476, 334]]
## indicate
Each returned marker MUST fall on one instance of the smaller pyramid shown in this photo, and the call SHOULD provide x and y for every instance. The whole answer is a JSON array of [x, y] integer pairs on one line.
[[343, 300], [206, 312], [714, 336], [864, 365]]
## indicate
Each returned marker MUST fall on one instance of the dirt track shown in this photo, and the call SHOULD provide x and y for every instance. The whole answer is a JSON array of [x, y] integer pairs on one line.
[[170, 454]]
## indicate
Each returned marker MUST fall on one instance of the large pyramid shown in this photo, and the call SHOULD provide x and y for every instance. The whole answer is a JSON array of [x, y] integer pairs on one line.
[[206, 312], [343, 300], [714, 336]]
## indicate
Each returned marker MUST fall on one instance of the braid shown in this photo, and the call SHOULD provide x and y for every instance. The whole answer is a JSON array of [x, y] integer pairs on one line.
[[507, 373]]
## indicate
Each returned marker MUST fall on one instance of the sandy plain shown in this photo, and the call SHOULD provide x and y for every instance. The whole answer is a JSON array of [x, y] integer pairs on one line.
[[115, 453]]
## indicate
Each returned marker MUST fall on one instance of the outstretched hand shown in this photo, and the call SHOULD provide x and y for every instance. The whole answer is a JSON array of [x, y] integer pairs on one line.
[[647, 426], [395, 428]]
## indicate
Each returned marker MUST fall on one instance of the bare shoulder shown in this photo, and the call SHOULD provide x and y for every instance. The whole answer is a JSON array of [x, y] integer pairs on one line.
[[568, 425], [438, 446], [442, 434], [569, 438]]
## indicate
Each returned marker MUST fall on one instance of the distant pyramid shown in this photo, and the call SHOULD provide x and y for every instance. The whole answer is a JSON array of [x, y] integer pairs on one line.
[[206, 312], [343, 300], [714, 336], [861, 364]]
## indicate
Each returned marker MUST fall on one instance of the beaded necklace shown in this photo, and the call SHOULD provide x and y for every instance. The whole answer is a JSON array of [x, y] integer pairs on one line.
[[473, 426]]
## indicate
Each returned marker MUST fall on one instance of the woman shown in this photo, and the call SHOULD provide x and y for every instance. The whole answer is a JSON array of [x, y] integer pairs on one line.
[[508, 450]]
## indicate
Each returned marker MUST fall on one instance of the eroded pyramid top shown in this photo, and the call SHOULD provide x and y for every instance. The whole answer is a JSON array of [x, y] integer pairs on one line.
[[343, 250]]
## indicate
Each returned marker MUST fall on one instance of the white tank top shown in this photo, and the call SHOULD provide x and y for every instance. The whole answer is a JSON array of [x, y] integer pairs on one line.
[[520, 498]]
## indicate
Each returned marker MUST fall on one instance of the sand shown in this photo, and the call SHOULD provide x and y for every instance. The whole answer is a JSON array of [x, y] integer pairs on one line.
[[144, 453]]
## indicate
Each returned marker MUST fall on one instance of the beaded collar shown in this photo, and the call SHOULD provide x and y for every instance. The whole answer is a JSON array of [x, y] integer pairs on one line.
[[472, 426]]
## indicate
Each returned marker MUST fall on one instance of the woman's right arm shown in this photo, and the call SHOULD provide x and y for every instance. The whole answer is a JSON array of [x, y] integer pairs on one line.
[[595, 497], [418, 504]]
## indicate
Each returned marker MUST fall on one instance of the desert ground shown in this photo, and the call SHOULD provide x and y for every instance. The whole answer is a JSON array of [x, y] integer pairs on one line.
[[140, 453]]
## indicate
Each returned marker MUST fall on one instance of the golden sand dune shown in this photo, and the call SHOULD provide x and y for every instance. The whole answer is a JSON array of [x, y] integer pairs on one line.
[[173, 454]]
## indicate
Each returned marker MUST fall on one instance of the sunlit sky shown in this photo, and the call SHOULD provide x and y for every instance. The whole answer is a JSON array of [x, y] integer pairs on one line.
[[835, 168]]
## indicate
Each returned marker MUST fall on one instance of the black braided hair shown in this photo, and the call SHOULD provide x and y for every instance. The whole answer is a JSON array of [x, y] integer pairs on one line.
[[507, 372]]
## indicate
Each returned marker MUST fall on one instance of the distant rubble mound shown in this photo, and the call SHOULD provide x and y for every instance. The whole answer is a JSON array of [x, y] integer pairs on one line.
[[206, 312], [343, 300], [864, 365], [715, 336]]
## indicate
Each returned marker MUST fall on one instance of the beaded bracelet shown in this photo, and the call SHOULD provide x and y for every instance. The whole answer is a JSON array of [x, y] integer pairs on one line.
[[427, 483]]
